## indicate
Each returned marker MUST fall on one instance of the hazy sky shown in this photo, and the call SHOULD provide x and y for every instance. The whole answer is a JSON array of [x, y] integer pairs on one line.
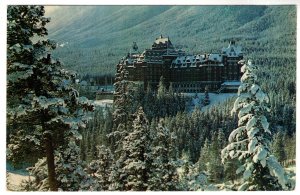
[[49, 9]]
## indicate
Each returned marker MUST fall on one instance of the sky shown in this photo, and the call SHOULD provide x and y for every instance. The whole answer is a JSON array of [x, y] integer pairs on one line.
[[51, 9]]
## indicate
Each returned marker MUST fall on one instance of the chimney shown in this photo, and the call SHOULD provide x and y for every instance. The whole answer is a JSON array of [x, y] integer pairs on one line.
[[231, 42], [48, 60]]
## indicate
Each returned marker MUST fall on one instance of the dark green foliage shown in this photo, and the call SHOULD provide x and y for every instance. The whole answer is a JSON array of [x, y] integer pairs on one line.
[[101, 168], [215, 168], [157, 103], [131, 170], [96, 132], [230, 168], [163, 173], [210, 157], [278, 147], [193, 129], [290, 147], [21, 146]]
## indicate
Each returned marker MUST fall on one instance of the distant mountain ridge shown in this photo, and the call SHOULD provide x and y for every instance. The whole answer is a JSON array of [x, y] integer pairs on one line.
[[103, 34]]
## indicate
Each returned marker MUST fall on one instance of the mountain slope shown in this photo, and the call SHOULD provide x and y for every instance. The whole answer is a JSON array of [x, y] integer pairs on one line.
[[99, 36]]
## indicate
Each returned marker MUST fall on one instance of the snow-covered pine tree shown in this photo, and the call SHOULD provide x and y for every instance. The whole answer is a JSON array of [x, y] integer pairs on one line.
[[69, 169], [163, 176], [21, 145], [122, 103], [221, 139], [190, 178], [186, 172], [131, 170], [204, 156], [71, 175], [38, 177], [101, 168], [41, 97], [250, 141]]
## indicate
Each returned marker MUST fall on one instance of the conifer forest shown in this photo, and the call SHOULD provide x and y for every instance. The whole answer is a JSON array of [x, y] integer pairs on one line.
[[76, 121]]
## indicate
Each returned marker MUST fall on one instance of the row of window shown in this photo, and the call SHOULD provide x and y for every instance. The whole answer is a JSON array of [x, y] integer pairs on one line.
[[148, 54], [198, 85], [195, 90]]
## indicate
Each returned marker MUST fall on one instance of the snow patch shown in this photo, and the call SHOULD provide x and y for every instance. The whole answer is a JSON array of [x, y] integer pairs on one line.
[[103, 103], [213, 97], [15, 180]]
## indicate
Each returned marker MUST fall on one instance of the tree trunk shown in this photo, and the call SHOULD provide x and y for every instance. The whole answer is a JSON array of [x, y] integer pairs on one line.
[[50, 163]]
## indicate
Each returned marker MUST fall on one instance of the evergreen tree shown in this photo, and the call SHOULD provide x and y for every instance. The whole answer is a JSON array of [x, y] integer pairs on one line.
[[278, 147], [21, 146], [101, 168], [69, 169], [41, 98], [214, 166], [204, 156], [230, 167], [185, 172], [221, 139], [131, 170], [250, 141], [122, 103], [163, 176], [291, 147], [71, 175]]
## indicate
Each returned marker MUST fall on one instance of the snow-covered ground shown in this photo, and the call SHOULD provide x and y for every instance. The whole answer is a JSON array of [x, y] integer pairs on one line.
[[15, 180], [103, 103], [196, 100], [15, 176], [213, 97], [291, 169]]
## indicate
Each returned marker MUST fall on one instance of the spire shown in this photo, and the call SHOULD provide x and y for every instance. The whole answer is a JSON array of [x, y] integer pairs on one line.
[[134, 46]]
